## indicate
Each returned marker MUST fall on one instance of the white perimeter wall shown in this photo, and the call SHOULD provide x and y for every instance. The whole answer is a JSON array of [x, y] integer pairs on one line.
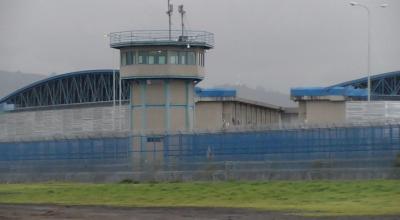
[[76, 120], [374, 111]]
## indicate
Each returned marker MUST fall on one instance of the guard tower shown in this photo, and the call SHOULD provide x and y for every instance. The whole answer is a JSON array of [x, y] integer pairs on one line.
[[162, 68]]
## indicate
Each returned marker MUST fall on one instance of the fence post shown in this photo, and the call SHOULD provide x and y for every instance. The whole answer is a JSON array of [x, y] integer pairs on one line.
[[166, 150]]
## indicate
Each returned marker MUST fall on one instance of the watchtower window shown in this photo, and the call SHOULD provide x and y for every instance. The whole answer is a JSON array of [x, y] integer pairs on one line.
[[191, 58], [161, 57], [173, 57], [161, 60], [130, 57], [142, 57], [201, 59], [182, 57], [123, 58], [187, 58], [151, 57]]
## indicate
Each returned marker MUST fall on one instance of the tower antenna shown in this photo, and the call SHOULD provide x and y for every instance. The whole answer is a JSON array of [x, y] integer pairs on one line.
[[169, 13], [182, 12]]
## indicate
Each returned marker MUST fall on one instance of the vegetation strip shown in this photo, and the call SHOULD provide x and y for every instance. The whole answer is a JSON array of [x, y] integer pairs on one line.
[[376, 197]]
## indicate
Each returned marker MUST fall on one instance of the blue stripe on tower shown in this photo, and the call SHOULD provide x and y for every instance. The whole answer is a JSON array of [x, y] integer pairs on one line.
[[131, 85], [143, 93], [131, 122], [143, 139], [167, 94], [187, 105]]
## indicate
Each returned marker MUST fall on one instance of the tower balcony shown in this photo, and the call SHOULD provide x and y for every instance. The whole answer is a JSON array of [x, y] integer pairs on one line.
[[135, 38]]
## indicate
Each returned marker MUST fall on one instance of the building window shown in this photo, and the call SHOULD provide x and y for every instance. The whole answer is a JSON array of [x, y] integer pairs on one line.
[[123, 58], [130, 58], [201, 59], [191, 58], [182, 57], [161, 57], [142, 57], [152, 57], [173, 57]]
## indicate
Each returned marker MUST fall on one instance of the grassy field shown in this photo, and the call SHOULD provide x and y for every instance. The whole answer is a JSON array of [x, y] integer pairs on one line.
[[378, 197]]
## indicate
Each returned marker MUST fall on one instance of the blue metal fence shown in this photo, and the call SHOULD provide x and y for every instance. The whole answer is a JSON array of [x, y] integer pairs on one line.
[[356, 146], [367, 145], [68, 149]]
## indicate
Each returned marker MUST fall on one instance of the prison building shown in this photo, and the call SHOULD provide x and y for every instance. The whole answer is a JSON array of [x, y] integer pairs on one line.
[[223, 109], [347, 102]]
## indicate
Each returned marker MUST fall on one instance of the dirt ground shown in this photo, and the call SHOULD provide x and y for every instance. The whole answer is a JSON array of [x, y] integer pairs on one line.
[[36, 212]]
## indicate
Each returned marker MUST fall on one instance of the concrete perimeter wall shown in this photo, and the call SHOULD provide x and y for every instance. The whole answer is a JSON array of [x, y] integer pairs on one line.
[[375, 111], [339, 112], [64, 122]]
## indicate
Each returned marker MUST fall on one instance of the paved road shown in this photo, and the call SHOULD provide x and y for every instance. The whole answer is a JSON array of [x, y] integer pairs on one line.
[[36, 212]]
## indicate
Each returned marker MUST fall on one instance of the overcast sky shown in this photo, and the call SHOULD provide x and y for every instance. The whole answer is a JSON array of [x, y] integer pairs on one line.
[[276, 44]]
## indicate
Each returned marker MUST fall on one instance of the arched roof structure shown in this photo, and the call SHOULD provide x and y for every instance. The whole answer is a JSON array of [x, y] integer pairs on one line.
[[90, 86], [96, 86], [384, 86]]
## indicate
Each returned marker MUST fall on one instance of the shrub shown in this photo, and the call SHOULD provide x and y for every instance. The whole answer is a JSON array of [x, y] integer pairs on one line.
[[129, 181], [397, 160], [317, 164]]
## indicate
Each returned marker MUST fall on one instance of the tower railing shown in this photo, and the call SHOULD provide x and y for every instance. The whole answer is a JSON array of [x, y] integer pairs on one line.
[[149, 37]]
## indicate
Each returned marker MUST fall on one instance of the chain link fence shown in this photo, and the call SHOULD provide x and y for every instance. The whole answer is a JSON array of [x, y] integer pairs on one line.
[[228, 153]]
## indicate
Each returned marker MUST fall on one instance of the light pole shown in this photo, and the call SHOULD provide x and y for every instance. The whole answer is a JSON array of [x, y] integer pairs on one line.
[[113, 87], [369, 43]]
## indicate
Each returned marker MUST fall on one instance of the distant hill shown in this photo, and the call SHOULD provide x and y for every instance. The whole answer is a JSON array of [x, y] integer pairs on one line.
[[263, 95], [10, 81]]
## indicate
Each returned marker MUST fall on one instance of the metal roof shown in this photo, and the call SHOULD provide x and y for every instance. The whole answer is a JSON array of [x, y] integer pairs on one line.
[[373, 78], [348, 91], [215, 92], [227, 95], [385, 86], [70, 88]]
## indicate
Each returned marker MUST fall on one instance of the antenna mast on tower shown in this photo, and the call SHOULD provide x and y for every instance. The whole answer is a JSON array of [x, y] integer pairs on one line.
[[182, 12], [169, 13]]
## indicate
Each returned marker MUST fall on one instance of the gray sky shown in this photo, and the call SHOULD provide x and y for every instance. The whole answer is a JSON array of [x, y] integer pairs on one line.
[[276, 44]]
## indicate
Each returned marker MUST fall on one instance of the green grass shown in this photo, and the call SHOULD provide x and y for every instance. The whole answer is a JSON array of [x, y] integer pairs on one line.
[[377, 197]]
